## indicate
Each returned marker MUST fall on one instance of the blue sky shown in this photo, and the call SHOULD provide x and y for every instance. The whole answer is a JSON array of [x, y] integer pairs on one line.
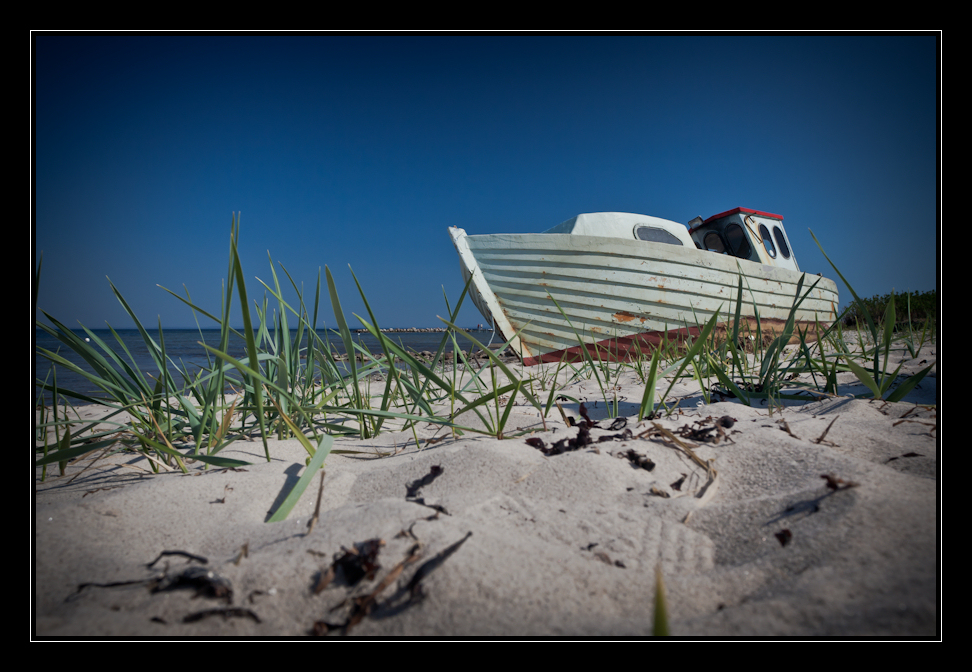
[[362, 151]]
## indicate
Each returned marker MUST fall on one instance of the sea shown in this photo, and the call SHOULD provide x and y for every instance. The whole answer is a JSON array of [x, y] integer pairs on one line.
[[182, 346]]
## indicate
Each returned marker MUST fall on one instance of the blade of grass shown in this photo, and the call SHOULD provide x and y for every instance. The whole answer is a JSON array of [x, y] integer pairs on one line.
[[319, 455], [583, 348], [251, 347], [501, 423], [660, 627], [908, 385], [693, 351], [857, 299], [647, 408], [492, 356], [727, 381], [348, 347]]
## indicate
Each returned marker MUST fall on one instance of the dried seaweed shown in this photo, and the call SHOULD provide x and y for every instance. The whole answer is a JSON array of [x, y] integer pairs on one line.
[[204, 581], [414, 586], [582, 439], [359, 562], [191, 556], [244, 553], [821, 437], [619, 423], [620, 436], [583, 411], [324, 580], [413, 488], [642, 461], [703, 432], [892, 459], [226, 613], [113, 584], [786, 428], [363, 605], [222, 500], [835, 483]]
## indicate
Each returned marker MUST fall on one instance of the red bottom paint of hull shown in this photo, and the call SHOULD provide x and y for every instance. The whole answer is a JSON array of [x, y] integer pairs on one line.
[[625, 348]]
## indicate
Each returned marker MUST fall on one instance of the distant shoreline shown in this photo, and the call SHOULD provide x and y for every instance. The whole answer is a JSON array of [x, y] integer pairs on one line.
[[403, 330], [417, 330]]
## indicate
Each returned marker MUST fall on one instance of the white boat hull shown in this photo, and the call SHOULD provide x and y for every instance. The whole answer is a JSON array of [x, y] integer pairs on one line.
[[622, 297]]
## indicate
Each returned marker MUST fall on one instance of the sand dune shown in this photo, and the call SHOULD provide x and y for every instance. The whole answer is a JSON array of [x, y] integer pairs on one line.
[[819, 520]]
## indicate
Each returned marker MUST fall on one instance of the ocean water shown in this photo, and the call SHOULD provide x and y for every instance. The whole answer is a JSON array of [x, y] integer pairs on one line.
[[182, 346]]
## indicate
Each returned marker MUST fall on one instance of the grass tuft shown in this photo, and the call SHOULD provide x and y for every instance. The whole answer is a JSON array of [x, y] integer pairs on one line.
[[292, 383]]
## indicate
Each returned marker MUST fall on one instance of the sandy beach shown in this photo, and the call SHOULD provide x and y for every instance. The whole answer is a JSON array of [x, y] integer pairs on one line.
[[818, 520]]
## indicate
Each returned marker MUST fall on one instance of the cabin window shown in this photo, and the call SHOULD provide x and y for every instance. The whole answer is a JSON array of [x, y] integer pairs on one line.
[[738, 241], [781, 242], [767, 240], [713, 243], [653, 234]]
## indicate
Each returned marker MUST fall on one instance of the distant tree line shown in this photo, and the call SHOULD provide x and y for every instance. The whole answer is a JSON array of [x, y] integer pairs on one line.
[[923, 305]]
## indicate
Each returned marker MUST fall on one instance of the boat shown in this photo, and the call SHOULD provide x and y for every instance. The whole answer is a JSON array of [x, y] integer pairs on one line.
[[619, 284]]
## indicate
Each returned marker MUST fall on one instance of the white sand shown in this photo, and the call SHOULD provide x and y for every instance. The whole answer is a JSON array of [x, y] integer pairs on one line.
[[565, 545]]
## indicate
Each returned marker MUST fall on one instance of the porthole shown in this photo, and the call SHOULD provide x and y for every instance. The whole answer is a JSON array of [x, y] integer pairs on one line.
[[713, 243], [653, 234], [767, 240], [738, 242], [781, 242]]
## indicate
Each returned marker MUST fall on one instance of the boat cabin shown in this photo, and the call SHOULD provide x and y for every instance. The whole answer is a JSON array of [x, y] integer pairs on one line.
[[747, 234], [741, 232], [626, 225]]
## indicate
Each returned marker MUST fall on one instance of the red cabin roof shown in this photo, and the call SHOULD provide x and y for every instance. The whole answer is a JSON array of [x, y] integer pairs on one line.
[[734, 211]]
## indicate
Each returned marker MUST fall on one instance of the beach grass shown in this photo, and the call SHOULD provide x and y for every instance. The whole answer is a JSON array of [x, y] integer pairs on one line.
[[290, 384]]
